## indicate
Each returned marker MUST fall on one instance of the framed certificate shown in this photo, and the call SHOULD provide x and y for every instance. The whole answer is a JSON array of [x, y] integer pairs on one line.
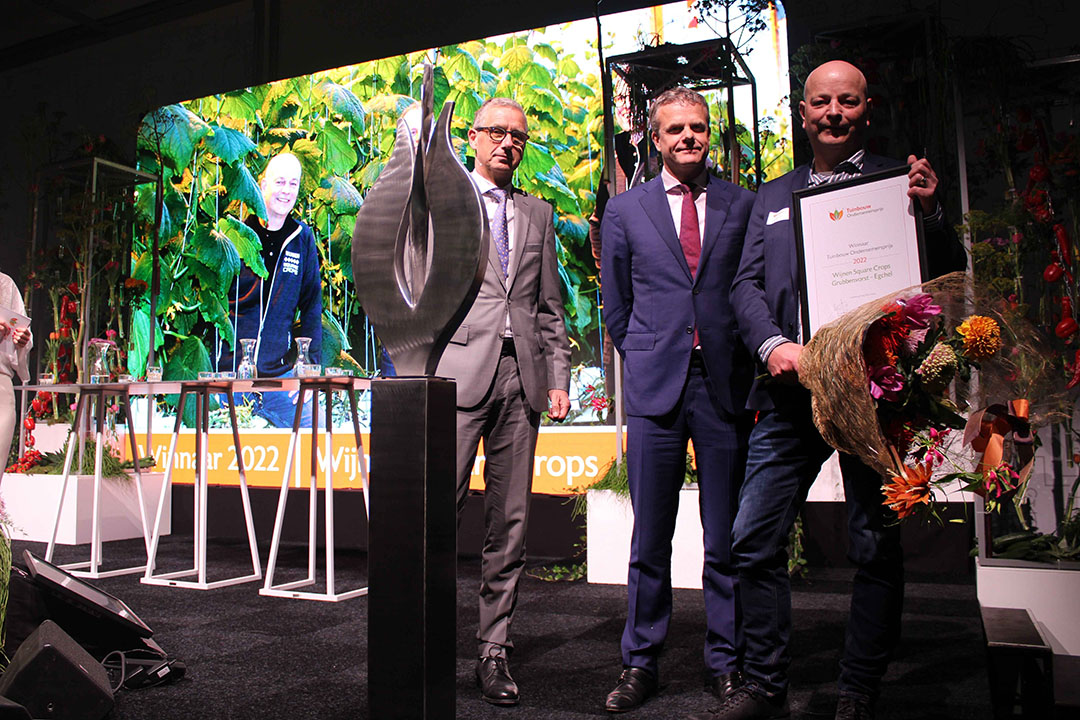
[[856, 240]]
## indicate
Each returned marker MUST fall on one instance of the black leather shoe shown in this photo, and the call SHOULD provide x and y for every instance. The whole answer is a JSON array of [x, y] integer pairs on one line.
[[854, 707], [749, 703], [636, 685], [496, 685], [723, 685]]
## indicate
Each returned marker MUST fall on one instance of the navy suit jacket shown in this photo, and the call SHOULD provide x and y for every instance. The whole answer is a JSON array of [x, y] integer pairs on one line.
[[652, 304], [765, 293]]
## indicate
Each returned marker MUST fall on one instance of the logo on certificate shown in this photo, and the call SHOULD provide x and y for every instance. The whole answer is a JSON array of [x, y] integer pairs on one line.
[[836, 215]]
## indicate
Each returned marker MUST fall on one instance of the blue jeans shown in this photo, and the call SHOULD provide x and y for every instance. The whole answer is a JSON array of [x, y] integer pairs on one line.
[[786, 453]]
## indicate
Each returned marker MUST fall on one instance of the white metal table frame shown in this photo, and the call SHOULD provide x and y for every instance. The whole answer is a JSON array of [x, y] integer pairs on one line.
[[96, 393], [202, 390], [327, 386]]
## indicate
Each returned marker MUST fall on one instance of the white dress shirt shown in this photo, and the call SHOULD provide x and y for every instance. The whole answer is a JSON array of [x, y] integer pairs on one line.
[[675, 199], [492, 206]]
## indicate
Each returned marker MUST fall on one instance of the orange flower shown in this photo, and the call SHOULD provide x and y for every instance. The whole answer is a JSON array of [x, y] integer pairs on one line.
[[884, 336], [982, 336], [904, 493]]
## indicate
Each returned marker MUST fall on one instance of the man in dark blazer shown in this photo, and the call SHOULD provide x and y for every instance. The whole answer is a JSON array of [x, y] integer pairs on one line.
[[786, 451], [670, 249], [511, 360]]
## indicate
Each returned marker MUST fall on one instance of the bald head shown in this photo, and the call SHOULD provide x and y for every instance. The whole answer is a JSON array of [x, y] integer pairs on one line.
[[280, 186], [835, 112], [832, 71]]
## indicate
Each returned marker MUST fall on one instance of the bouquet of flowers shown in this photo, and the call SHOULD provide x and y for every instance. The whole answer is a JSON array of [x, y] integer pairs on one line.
[[882, 384]]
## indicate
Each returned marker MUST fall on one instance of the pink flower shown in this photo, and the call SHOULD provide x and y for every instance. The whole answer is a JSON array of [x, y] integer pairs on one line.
[[885, 382], [918, 310], [914, 339], [916, 313]]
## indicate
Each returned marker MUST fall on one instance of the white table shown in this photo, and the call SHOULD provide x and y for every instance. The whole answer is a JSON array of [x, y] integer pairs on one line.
[[98, 395], [326, 385], [202, 390]]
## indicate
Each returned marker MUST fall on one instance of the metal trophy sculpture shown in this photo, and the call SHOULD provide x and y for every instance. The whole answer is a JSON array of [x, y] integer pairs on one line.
[[419, 250]]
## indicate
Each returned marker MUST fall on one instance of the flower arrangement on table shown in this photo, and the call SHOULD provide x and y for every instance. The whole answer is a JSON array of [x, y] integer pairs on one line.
[[882, 383], [52, 463]]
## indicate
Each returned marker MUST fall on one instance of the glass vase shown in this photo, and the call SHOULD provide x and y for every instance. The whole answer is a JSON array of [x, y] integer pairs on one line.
[[246, 370], [99, 364]]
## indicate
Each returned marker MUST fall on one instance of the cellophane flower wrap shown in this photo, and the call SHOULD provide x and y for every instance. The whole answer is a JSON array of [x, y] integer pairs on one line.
[[882, 377]]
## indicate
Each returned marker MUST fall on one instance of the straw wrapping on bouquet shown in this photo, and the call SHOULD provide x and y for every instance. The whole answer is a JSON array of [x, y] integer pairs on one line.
[[833, 367]]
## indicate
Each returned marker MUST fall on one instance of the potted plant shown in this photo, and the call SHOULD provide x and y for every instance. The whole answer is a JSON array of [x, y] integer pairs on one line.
[[32, 487]]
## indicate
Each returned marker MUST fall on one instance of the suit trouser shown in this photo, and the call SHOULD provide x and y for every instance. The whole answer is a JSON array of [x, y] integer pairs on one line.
[[786, 453], [508, 427], [656, 465]]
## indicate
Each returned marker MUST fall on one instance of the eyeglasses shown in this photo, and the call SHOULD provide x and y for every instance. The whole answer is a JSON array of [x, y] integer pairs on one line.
[[498, 134]]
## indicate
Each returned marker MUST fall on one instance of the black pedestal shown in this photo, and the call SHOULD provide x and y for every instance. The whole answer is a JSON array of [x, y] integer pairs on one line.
[[412, 549]]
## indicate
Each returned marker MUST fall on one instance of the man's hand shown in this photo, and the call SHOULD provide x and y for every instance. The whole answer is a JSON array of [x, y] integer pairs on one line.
[[784, 362], [558, 404], [922, 183]]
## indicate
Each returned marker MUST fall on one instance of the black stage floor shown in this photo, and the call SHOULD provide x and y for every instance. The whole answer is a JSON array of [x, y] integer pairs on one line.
[[259, 658]]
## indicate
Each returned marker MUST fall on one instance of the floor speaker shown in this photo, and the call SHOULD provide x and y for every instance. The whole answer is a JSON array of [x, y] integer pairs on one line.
[[11, 710], [53, 677]]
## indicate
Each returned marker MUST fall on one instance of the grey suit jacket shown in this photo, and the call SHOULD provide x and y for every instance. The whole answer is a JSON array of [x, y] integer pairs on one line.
[[534, 299]]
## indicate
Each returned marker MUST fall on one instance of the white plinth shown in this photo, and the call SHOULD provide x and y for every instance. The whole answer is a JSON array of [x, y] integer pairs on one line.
[[610, 524], [31, 502], [1049, 593]]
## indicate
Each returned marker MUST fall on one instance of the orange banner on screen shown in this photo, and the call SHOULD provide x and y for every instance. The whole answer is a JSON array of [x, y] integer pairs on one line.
[[567, 459]]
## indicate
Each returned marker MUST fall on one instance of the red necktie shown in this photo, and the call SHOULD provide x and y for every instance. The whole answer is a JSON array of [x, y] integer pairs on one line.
[[690, 236]]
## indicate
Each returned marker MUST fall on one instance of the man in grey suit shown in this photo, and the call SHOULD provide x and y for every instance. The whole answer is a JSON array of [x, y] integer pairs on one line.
[[511, 361]]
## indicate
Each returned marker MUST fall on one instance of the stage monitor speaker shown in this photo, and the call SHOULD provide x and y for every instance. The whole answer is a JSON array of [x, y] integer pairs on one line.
[[97, 620], [11, 710], [25, 610], [54, 678]]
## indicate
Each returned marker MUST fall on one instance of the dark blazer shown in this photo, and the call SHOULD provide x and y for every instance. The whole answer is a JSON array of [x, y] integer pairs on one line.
[[651, 303], [765, 293]]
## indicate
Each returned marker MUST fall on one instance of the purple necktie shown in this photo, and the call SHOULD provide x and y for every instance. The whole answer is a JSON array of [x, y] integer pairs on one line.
[[499, 231]]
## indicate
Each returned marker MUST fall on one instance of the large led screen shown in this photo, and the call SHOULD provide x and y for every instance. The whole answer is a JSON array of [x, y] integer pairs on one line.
[[339, 124]]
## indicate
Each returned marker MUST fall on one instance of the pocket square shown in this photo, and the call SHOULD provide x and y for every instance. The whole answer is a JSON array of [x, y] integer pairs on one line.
[[778, 215]]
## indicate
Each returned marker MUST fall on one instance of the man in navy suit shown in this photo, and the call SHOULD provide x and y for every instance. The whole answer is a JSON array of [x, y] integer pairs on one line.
[[669, 252], [786, 452]]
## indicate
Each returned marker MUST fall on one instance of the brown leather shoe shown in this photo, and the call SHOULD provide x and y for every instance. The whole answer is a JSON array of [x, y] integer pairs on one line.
[[496, 685], [636, 685]]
